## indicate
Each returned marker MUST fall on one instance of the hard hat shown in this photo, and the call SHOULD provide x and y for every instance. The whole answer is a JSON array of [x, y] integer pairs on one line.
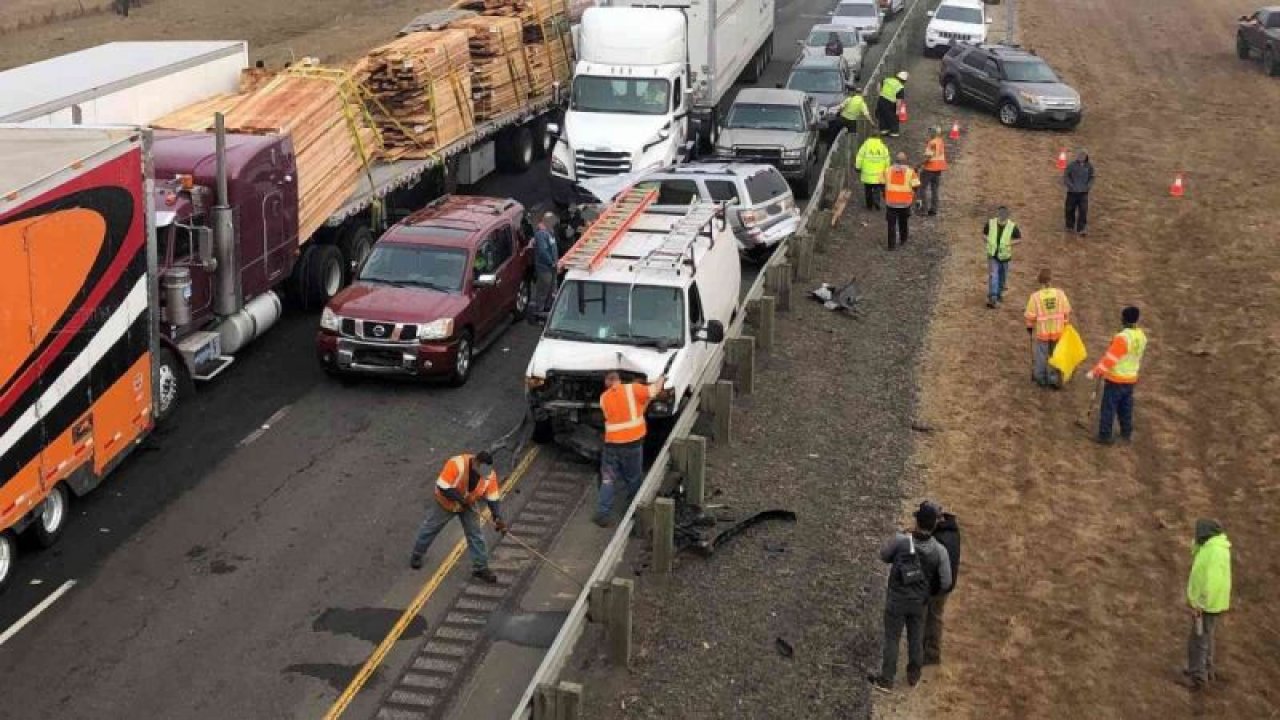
[[904, 75]]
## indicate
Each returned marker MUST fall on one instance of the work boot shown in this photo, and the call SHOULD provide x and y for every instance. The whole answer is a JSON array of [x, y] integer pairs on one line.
[[415, 562], [601, 520], [485, 575], [913, 676], [879, 683]]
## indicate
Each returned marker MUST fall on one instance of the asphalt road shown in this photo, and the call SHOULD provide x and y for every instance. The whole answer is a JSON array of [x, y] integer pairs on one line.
[[243, 563]]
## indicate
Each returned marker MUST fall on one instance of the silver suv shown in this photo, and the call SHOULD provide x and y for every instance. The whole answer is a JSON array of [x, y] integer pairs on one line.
[[762, 211], [1018, 85]]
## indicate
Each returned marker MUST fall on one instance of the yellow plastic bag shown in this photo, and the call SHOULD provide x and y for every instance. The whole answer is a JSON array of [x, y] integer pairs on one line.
[[1069, 353]]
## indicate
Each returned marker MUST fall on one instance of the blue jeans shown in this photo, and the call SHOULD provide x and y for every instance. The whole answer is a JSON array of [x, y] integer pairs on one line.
[[1117, 402], [437, 518], [997, 274], [621, 467]]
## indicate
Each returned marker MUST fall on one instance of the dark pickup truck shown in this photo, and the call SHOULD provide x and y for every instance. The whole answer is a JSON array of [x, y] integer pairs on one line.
[[1259, 34]]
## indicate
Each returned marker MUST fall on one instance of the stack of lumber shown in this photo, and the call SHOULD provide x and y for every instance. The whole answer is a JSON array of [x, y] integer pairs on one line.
[[330, 140], [253, 78], [548, 63], [421, 85], [500, 80], [198, 117], [545, 33]]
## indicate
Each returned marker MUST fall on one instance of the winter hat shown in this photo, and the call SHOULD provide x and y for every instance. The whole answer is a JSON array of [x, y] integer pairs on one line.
[[927, 517], [933, 505], [1129, 315]]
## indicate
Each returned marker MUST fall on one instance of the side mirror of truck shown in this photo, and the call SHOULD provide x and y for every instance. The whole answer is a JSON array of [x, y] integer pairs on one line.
[[204, 247], [486, 280], [712, 332], [929, 14], [553, 129]]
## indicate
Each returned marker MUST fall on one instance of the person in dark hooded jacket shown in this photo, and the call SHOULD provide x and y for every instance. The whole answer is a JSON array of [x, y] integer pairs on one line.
[[1078, 181], [947, 534], [834, 47]]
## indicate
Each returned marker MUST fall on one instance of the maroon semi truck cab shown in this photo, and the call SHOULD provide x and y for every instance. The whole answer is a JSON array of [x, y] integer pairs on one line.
[[219, 265], [438, 288]]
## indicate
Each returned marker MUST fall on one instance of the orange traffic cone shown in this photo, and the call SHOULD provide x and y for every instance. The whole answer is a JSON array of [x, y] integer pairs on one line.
[[1062, 159], [902, 111], [1176, 189], [955, 130]]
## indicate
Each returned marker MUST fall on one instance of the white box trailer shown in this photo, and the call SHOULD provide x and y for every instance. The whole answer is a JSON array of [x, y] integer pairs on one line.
[[120, 83]]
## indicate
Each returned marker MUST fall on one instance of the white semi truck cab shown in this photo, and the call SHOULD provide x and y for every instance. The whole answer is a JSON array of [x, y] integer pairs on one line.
[[648, 82]]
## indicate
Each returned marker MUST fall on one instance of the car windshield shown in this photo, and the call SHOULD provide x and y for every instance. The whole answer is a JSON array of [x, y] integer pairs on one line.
[[425, 266], [618, 313], [855, 10], [1029, 72], [816, 81], [621, 95], [758, 116], [956, 13], [820, 38]]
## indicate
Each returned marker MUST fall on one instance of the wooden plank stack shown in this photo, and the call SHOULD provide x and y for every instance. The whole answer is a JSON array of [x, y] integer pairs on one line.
[[422, 87], [545, 34], [329, 135], [499, 69], [198, 117]]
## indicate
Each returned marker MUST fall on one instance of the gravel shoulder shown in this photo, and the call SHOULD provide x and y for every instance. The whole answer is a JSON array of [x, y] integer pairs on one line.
[[827, 434]]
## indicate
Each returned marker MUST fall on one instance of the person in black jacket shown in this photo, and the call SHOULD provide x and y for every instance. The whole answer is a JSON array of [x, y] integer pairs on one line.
[[1077, 179], [947, 534], [918, 566]]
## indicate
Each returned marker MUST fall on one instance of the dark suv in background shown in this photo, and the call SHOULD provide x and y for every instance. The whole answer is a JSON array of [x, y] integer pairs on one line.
[[1019, 86]]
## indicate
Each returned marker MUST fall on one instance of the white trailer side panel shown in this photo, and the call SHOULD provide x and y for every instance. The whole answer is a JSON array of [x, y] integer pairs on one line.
[[126, 83]]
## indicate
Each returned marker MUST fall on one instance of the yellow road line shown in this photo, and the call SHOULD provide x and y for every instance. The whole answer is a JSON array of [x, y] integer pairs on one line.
[[415, 607]]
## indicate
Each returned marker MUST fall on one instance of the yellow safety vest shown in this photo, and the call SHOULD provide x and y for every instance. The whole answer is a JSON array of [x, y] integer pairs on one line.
[[872, 160], [1000, 244], [853, 106], [1127, 367], [890, 88]]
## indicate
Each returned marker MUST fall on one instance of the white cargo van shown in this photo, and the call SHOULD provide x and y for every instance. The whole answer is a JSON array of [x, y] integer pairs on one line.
[[648, 292]]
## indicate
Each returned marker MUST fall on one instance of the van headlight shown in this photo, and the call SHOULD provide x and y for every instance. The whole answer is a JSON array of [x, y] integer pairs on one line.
[[558, 167], [329, 320], [436, 330]]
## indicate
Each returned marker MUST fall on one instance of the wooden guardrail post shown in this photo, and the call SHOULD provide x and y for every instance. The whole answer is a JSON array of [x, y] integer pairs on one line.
[[643, 517], [689, 455], [821, 230], [619, 630], [760, 313], [717, 401], [740, 361], [598, 602], [558, 702], [782, 284], [664, 535]]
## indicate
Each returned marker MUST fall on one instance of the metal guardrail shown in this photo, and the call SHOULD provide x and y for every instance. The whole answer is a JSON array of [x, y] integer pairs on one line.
[[821, 197]]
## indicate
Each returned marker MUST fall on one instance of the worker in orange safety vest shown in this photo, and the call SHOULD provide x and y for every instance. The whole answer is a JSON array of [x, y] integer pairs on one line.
[[1048, 315], [900, 183], [622, 458], [935, 163], [463, 481], [1118, 370]]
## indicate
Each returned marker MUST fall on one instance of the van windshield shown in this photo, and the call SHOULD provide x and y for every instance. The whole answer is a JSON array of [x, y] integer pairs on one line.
[[633, 96], [619, 313]]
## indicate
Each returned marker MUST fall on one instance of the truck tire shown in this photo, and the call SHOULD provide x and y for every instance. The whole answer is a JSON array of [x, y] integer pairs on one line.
[[541, 138], [8, 558], [317, 277], [752, 73], [173, 385], [515, 149], [54, 512], [1242, 47], [355, 245], [524, 294]]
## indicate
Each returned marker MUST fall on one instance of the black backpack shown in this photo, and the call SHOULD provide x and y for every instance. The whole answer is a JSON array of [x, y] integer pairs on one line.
[[913, 582]]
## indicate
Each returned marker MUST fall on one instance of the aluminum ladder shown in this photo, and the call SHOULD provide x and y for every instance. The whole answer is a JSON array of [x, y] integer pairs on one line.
[[603, 234], [680, 239]]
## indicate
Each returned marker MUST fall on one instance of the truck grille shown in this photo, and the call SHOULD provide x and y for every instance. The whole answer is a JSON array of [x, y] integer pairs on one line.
[[377, 357], [770, 155], [599, 163], [379, 331], [958, 37], [581, 387]]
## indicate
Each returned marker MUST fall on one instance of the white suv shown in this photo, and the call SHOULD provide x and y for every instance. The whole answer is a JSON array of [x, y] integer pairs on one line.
[[955, 21]]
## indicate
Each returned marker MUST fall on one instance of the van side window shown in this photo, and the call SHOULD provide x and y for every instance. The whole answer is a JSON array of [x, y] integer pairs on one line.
[[677, 97], [722, 191], [695, 308]]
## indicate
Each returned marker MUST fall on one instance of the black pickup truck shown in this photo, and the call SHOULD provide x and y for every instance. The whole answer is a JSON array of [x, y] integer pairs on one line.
[[1259, 34]]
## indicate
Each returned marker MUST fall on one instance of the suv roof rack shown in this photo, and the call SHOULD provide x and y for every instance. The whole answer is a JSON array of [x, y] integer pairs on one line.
[[598, 239], [680, 239]]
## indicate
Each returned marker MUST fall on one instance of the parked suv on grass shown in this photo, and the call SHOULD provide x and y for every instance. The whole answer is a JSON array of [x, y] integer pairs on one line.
[[1018, 85], [778, 127], [762, 209], [437, 289], [1260, 33]]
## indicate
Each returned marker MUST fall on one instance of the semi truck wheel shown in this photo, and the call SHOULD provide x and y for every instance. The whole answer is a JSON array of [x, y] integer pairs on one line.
[[173, 385], [355, 245], [53, 517], [8, 557], [541, 138], [515, 149], [317, 277]]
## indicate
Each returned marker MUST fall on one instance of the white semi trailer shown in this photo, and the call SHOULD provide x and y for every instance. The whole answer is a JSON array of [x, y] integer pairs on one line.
[[649, 80]]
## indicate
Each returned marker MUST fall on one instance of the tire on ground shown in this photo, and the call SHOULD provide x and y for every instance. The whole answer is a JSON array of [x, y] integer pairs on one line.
[[174, 385], [515, 149], [8, 558], [355, 244]]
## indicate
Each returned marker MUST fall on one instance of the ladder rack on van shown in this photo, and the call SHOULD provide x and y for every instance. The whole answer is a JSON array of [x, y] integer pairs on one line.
[[607, 230], [680, 239]]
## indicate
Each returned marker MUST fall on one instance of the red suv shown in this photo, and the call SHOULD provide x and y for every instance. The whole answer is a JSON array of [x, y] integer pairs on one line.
[[438, 287]]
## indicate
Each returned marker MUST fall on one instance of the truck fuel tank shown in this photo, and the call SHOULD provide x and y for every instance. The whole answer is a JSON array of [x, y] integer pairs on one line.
[[175, 284]]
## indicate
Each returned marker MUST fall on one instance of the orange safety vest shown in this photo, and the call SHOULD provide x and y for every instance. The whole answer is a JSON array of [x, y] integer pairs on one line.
[[898, 188], [936, 151], [456, 474], [1048, 311], [623, 406]]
